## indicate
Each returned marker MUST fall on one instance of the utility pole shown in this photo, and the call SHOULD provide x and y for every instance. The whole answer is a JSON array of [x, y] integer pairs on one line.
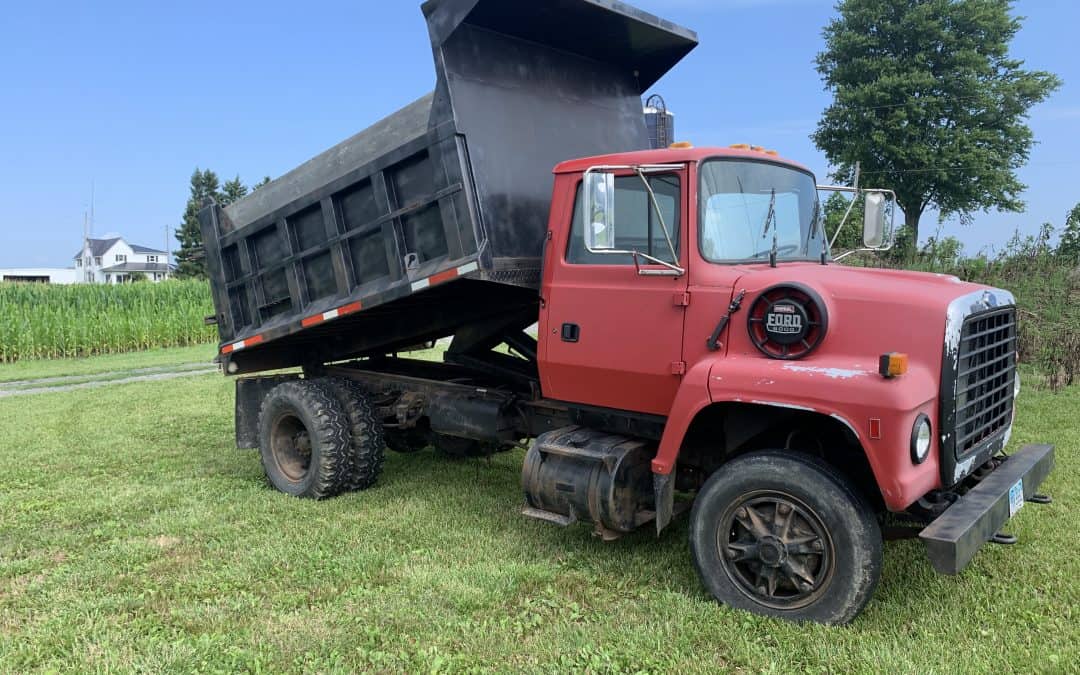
[[85, 245]]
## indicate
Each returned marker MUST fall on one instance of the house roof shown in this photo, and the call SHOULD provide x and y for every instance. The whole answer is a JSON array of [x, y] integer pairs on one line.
[[145, 249], [99, 247], [138, 267]]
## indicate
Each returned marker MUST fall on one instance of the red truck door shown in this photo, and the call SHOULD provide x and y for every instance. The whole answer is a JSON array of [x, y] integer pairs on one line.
[[611, 337]]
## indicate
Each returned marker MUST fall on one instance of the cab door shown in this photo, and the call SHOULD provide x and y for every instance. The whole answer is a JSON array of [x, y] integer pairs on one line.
[[611, 337]]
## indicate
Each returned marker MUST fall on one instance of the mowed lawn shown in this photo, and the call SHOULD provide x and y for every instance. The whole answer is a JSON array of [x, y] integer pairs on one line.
[[133, 536]]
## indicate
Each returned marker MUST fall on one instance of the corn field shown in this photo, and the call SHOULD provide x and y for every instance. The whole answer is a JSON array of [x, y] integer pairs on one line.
[[41, 321]]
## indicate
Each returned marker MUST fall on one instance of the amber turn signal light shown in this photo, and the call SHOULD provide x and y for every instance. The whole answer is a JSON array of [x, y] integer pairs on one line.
[[893, 364]]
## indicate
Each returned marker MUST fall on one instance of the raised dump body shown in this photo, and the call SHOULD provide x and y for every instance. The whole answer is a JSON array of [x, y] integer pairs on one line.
[[433, 220]]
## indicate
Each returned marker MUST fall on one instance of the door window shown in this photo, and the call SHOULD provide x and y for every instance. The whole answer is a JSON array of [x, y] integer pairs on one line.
[[637, 227]]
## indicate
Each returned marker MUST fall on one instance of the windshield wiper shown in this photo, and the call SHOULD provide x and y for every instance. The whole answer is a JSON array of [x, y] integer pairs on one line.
[[813, 226], [770, 219]]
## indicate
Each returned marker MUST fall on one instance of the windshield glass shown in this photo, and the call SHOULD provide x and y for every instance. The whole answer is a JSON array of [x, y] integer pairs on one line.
[[736, 196]]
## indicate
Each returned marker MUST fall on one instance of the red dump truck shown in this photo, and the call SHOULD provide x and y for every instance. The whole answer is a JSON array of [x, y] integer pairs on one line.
[[697, 348]]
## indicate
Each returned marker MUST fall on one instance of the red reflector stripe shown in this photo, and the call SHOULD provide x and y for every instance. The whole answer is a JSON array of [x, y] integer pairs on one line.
[[331, 315], [243, 344], [443, 276]]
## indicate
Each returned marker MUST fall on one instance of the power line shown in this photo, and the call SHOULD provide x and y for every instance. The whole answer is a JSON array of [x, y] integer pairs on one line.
[[912, 100], [953, 169]]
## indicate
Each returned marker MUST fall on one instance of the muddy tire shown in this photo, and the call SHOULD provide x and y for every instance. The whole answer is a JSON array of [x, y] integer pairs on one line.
[[365, 432], [785, 535], [304, 440]]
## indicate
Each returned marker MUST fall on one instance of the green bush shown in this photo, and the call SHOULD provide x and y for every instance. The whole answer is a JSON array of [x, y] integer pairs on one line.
[[40, 321]]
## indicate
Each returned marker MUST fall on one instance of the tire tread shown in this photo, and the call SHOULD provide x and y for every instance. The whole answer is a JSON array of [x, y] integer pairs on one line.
[[366, 432], [329, 434]]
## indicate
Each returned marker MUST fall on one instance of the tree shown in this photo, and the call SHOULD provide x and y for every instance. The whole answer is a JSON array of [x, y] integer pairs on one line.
[[1069, 247], [928, 100], [190, 259], [232, 191]]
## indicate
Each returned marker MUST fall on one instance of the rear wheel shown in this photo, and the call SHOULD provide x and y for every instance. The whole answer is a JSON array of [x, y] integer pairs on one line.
[[784, 535], [304, 440], [365, 431]]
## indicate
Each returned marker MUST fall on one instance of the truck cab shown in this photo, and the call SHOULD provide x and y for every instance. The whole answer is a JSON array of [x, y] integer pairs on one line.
[[807, 337], [704, 297]]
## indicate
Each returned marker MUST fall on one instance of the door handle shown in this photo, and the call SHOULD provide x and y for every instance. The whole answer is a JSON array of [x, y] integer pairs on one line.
[[571, 332]]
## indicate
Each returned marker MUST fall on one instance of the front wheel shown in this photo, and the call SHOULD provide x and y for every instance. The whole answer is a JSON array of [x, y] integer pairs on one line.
[[784, 535]]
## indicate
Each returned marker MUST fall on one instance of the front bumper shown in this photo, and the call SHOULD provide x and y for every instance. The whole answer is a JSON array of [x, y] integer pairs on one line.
[[954, 537]]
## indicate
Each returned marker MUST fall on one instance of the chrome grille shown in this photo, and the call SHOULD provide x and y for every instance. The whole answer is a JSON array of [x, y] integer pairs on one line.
[[985, 377]]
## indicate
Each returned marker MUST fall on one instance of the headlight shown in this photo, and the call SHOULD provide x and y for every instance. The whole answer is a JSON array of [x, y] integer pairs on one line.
[[920, 439]]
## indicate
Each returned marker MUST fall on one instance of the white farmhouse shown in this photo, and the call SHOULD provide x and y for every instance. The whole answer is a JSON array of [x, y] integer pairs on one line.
[[114, 261]]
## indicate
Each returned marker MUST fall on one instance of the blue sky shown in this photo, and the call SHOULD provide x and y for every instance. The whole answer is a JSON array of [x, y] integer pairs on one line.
[[132, 96]]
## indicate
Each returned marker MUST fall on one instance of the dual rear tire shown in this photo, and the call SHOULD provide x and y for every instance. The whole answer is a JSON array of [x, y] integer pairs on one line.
[[319, 438]]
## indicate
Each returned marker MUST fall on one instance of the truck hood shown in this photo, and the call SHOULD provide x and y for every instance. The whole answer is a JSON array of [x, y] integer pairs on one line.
[[873, 311], [860, 283]]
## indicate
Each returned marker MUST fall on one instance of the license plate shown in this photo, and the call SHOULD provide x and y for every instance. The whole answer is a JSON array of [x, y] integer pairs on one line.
[[1016, 497]]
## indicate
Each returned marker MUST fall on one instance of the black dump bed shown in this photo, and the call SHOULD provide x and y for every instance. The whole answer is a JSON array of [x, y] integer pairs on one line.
[[433, 220]]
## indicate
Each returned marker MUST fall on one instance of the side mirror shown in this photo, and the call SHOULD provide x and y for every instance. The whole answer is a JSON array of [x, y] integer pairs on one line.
[[874, 225], [599, 211]]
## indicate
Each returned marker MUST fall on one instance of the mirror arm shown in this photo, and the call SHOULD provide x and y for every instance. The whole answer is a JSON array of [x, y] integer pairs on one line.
[[659, 214], [856, 191], [672, 270], [843, 221], [891, 234]]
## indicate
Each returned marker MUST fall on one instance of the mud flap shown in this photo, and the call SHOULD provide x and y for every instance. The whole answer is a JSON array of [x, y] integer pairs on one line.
[[250, 392], [664, 494]]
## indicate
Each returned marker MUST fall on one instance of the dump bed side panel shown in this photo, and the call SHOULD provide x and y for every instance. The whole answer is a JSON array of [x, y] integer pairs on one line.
[[350, 227], [436, 216]]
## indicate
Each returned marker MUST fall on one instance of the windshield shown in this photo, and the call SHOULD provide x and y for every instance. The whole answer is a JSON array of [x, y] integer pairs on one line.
[[736, 196]]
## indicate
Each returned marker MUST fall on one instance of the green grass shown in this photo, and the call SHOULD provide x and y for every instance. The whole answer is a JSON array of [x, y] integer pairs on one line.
[[133, 536], [106, 363]]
